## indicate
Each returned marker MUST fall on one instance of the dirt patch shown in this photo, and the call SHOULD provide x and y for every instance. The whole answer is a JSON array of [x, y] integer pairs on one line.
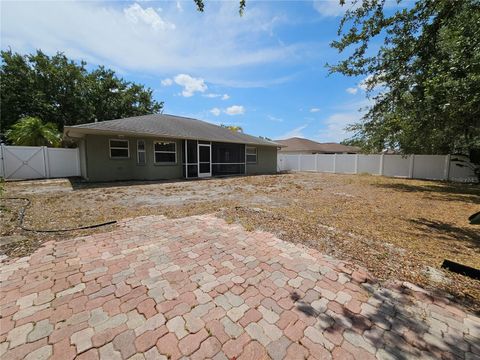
[[396, 228]]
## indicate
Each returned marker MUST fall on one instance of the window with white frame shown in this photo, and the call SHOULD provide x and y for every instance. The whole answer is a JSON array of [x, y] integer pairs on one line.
[[251, 155], [165, 152], [119, 149], [141, 156]]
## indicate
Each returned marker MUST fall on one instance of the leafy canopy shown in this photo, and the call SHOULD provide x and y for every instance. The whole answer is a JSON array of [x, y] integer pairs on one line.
[[424, 79], [422, 66], [64, 92], [31, 131], [201, 5], [233, 128]]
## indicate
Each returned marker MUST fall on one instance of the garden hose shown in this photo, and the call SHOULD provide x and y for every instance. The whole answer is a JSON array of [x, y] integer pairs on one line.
[[21, 216]]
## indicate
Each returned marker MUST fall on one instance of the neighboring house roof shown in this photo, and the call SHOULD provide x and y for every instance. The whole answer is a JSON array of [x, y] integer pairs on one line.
[[169, 126], [300, 144]]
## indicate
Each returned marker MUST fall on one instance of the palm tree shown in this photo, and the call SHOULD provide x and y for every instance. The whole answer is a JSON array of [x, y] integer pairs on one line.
[[233, 128], [31, 131]]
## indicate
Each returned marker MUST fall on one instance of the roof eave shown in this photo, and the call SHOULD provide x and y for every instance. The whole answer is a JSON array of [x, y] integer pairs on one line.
[[71, 131]]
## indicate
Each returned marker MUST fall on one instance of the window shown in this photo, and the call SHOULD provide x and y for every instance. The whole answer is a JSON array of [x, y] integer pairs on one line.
[[141, 157], [165, 152], [119, 149], [251, 155]]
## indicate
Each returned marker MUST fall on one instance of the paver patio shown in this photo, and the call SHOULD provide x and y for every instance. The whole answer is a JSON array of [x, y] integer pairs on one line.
[[197, 287]]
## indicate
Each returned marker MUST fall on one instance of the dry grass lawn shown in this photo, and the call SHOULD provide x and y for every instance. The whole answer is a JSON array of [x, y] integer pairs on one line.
[[398, 229]]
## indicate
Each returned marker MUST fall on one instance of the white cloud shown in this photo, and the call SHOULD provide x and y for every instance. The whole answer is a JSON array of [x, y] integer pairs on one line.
[[353, 105], [332, 8], [335, 126], [274, 118], [167, 82], [351, 90], [179, 6], [364, 83], [148, 16], [215, 111], [329, 8], [136, 37], [297, 132], [211, 95], [235, 110], [252, 83], [190, 84], [232, 110], [314, 110]]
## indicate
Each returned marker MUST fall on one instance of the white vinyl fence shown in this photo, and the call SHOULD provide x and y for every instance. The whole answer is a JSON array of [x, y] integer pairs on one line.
[[38, 162], [431, 167]]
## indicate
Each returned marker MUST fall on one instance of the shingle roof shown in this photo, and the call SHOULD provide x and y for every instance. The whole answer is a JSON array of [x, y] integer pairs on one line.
[[170, 126], [300, 144]]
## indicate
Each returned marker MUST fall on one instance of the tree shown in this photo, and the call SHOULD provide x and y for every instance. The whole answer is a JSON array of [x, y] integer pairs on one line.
[[233, 128], [31, 131], [424, 79], [64, 92], [201, 5], [353, 142]]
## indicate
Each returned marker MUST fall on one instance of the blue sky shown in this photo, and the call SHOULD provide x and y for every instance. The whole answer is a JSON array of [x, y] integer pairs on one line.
[[264, 71]]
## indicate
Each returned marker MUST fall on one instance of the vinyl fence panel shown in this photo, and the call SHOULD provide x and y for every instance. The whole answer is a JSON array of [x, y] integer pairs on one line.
[[396, 165], [325, 163], [63, 162], [290, 162], [345, 163], [369, 164], [307, 163], [431, 167]]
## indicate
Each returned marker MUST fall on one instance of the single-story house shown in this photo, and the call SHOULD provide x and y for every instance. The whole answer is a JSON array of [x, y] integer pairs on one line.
[[158, 146], [298, 145]]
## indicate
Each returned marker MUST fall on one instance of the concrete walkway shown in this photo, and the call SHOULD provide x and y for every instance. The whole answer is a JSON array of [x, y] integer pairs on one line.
[[200, 288]]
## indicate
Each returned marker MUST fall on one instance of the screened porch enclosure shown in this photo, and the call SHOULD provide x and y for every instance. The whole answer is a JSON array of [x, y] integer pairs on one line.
[[205, 158]]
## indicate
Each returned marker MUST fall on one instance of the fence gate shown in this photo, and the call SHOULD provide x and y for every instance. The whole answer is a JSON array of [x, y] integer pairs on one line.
[[24, 162]]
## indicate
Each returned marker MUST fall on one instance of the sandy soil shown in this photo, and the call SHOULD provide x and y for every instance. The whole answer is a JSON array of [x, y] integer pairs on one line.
[[397, 228]]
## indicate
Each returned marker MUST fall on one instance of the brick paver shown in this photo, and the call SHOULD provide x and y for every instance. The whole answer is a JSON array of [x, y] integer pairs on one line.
[[158, 288]]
